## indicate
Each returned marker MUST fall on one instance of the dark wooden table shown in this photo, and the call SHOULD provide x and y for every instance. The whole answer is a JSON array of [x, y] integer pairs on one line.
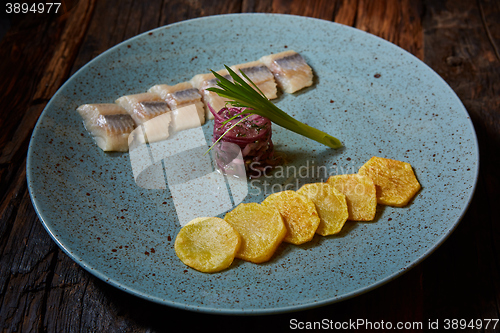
[[43, 290]]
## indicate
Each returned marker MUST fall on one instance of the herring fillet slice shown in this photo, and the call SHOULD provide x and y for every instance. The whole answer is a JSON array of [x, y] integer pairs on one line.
[[177, 95], [143, 107], [109, 125], [290, 70], [180, 96], [260, 75], [208, 80]]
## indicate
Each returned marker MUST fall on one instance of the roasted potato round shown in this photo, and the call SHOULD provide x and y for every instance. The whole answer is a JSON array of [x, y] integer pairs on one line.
[[261, 229], [360, 195], [299, 214], [330, 205], [207, 244], [394, 180]]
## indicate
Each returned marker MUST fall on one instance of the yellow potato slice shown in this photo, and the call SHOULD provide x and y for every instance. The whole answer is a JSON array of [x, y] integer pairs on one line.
[[299, 214], [207, 244], [330, 204], [261, 229], [360, 195], [394, 180]]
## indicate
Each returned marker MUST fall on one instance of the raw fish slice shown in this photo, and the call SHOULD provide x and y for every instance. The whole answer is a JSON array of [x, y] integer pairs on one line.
[[154, 108], [116, 123], [156, 129], [90, 112], [185, 117], [215, 101], [269, 89], [143, 107], [260, 75], [179, 96], [182, 97], [290, 70], [204, 81], [153, 130], [109, 124], [255, 70]]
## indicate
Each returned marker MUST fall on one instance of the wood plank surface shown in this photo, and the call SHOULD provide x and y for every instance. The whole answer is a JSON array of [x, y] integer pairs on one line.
[[460, 45], [43, 290]]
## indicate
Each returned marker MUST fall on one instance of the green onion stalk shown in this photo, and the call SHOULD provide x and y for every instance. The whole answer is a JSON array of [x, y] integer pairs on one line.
[[240, 94]]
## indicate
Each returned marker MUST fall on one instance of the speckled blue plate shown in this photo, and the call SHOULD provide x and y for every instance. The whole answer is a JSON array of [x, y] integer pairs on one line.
[[375, 97]]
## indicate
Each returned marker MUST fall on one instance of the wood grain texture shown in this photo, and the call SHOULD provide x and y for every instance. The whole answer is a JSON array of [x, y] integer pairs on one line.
[[41, 53], [43, 290], [32, 82], [393, 20], [322, 9], [461, 45], [345, 12]]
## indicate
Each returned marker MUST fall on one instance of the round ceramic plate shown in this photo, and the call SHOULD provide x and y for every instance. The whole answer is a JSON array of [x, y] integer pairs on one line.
[[376, 98]]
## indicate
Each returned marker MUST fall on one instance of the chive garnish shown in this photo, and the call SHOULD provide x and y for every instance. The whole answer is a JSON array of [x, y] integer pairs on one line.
[[241, 94]]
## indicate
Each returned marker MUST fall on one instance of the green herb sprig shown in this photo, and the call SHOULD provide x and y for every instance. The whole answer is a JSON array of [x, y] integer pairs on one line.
[[241, 94]]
